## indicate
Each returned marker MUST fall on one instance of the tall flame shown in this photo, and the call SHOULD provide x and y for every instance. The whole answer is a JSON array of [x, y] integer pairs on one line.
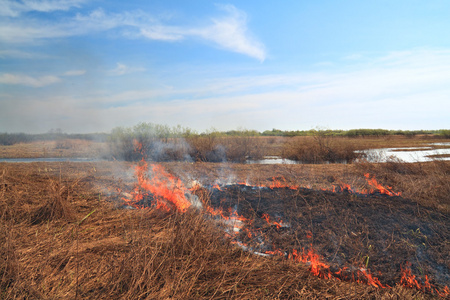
[[167, 190]]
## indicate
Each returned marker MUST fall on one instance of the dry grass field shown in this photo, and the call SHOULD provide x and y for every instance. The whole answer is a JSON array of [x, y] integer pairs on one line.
[[62, 148], [66, 232]]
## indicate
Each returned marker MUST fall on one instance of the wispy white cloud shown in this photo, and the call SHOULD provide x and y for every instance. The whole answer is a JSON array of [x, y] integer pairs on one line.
[[162, 33], [25, 31], [229, 31], [122, 69], [41, 81], [14, 8], [75, 73]]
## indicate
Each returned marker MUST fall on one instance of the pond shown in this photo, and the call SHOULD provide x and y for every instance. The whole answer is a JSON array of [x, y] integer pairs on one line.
[[408, 154], [272, 160]]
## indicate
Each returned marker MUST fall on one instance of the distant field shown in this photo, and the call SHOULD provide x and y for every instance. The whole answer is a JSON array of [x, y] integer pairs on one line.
[[313, 149], [63, 148]]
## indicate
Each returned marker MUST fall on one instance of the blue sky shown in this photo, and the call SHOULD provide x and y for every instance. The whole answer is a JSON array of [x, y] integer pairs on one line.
[[91, 65]]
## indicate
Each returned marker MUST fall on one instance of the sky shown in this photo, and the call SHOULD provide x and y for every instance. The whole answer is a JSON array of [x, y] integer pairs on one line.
[[85, 66]]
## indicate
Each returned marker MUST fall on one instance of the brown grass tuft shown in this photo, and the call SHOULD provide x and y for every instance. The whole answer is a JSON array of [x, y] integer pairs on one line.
[[56, 205], [320, 149]]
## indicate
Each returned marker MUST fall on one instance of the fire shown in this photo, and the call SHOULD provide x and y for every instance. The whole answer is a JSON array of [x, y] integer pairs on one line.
[[381, 189], [169, 193], [167, 190], [317, 266], [277, 224], [281, 182], [409, 280], [370, 279]]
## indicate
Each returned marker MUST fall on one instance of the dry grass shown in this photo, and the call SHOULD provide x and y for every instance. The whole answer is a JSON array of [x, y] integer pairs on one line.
[[427, 183], [220, 149], [61, 148], [320, 149], [82, 246]]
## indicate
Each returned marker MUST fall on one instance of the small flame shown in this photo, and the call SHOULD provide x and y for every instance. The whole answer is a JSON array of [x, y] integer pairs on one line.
[[277, 224], [276, 183], [370, 279], [381, 189], [317, 266]]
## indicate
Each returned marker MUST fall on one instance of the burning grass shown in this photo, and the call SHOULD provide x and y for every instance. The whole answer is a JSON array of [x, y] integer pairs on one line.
[[85, 246], [427, 183]]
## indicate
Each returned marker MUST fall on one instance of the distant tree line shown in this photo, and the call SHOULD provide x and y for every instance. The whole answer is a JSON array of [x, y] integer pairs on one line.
[[356, 132], [163, 132]]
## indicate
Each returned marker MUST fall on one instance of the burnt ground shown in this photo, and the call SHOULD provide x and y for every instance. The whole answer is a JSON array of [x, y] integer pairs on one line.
[[384, 234]]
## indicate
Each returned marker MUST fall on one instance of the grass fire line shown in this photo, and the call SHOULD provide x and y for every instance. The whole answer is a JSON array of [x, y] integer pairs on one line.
[[156, 188]]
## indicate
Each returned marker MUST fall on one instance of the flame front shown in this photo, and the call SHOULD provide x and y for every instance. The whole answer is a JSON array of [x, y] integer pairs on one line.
[[381, 189], [167, 190]]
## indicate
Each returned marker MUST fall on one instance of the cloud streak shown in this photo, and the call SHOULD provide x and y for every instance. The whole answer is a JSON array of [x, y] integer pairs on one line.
[[15, 8], [26, 80], [229, 31]]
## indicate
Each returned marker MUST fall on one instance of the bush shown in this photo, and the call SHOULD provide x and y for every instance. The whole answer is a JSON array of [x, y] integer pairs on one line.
[[8, 139], [320, 149], [154, 142], [216, 147], [444, 133]]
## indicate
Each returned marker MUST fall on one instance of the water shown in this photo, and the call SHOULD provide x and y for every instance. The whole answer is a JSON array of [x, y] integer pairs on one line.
[[272, 160], [407, 154]]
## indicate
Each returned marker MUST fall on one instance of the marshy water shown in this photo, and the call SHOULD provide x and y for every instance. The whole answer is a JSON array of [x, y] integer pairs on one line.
[[406, 154]]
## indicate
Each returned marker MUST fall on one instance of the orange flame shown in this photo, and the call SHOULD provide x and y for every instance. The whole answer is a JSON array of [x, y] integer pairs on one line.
[[318, 267], [383, 190], [276, 183], [167, 190], [409, 280], [370, 279], [277, 224]]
